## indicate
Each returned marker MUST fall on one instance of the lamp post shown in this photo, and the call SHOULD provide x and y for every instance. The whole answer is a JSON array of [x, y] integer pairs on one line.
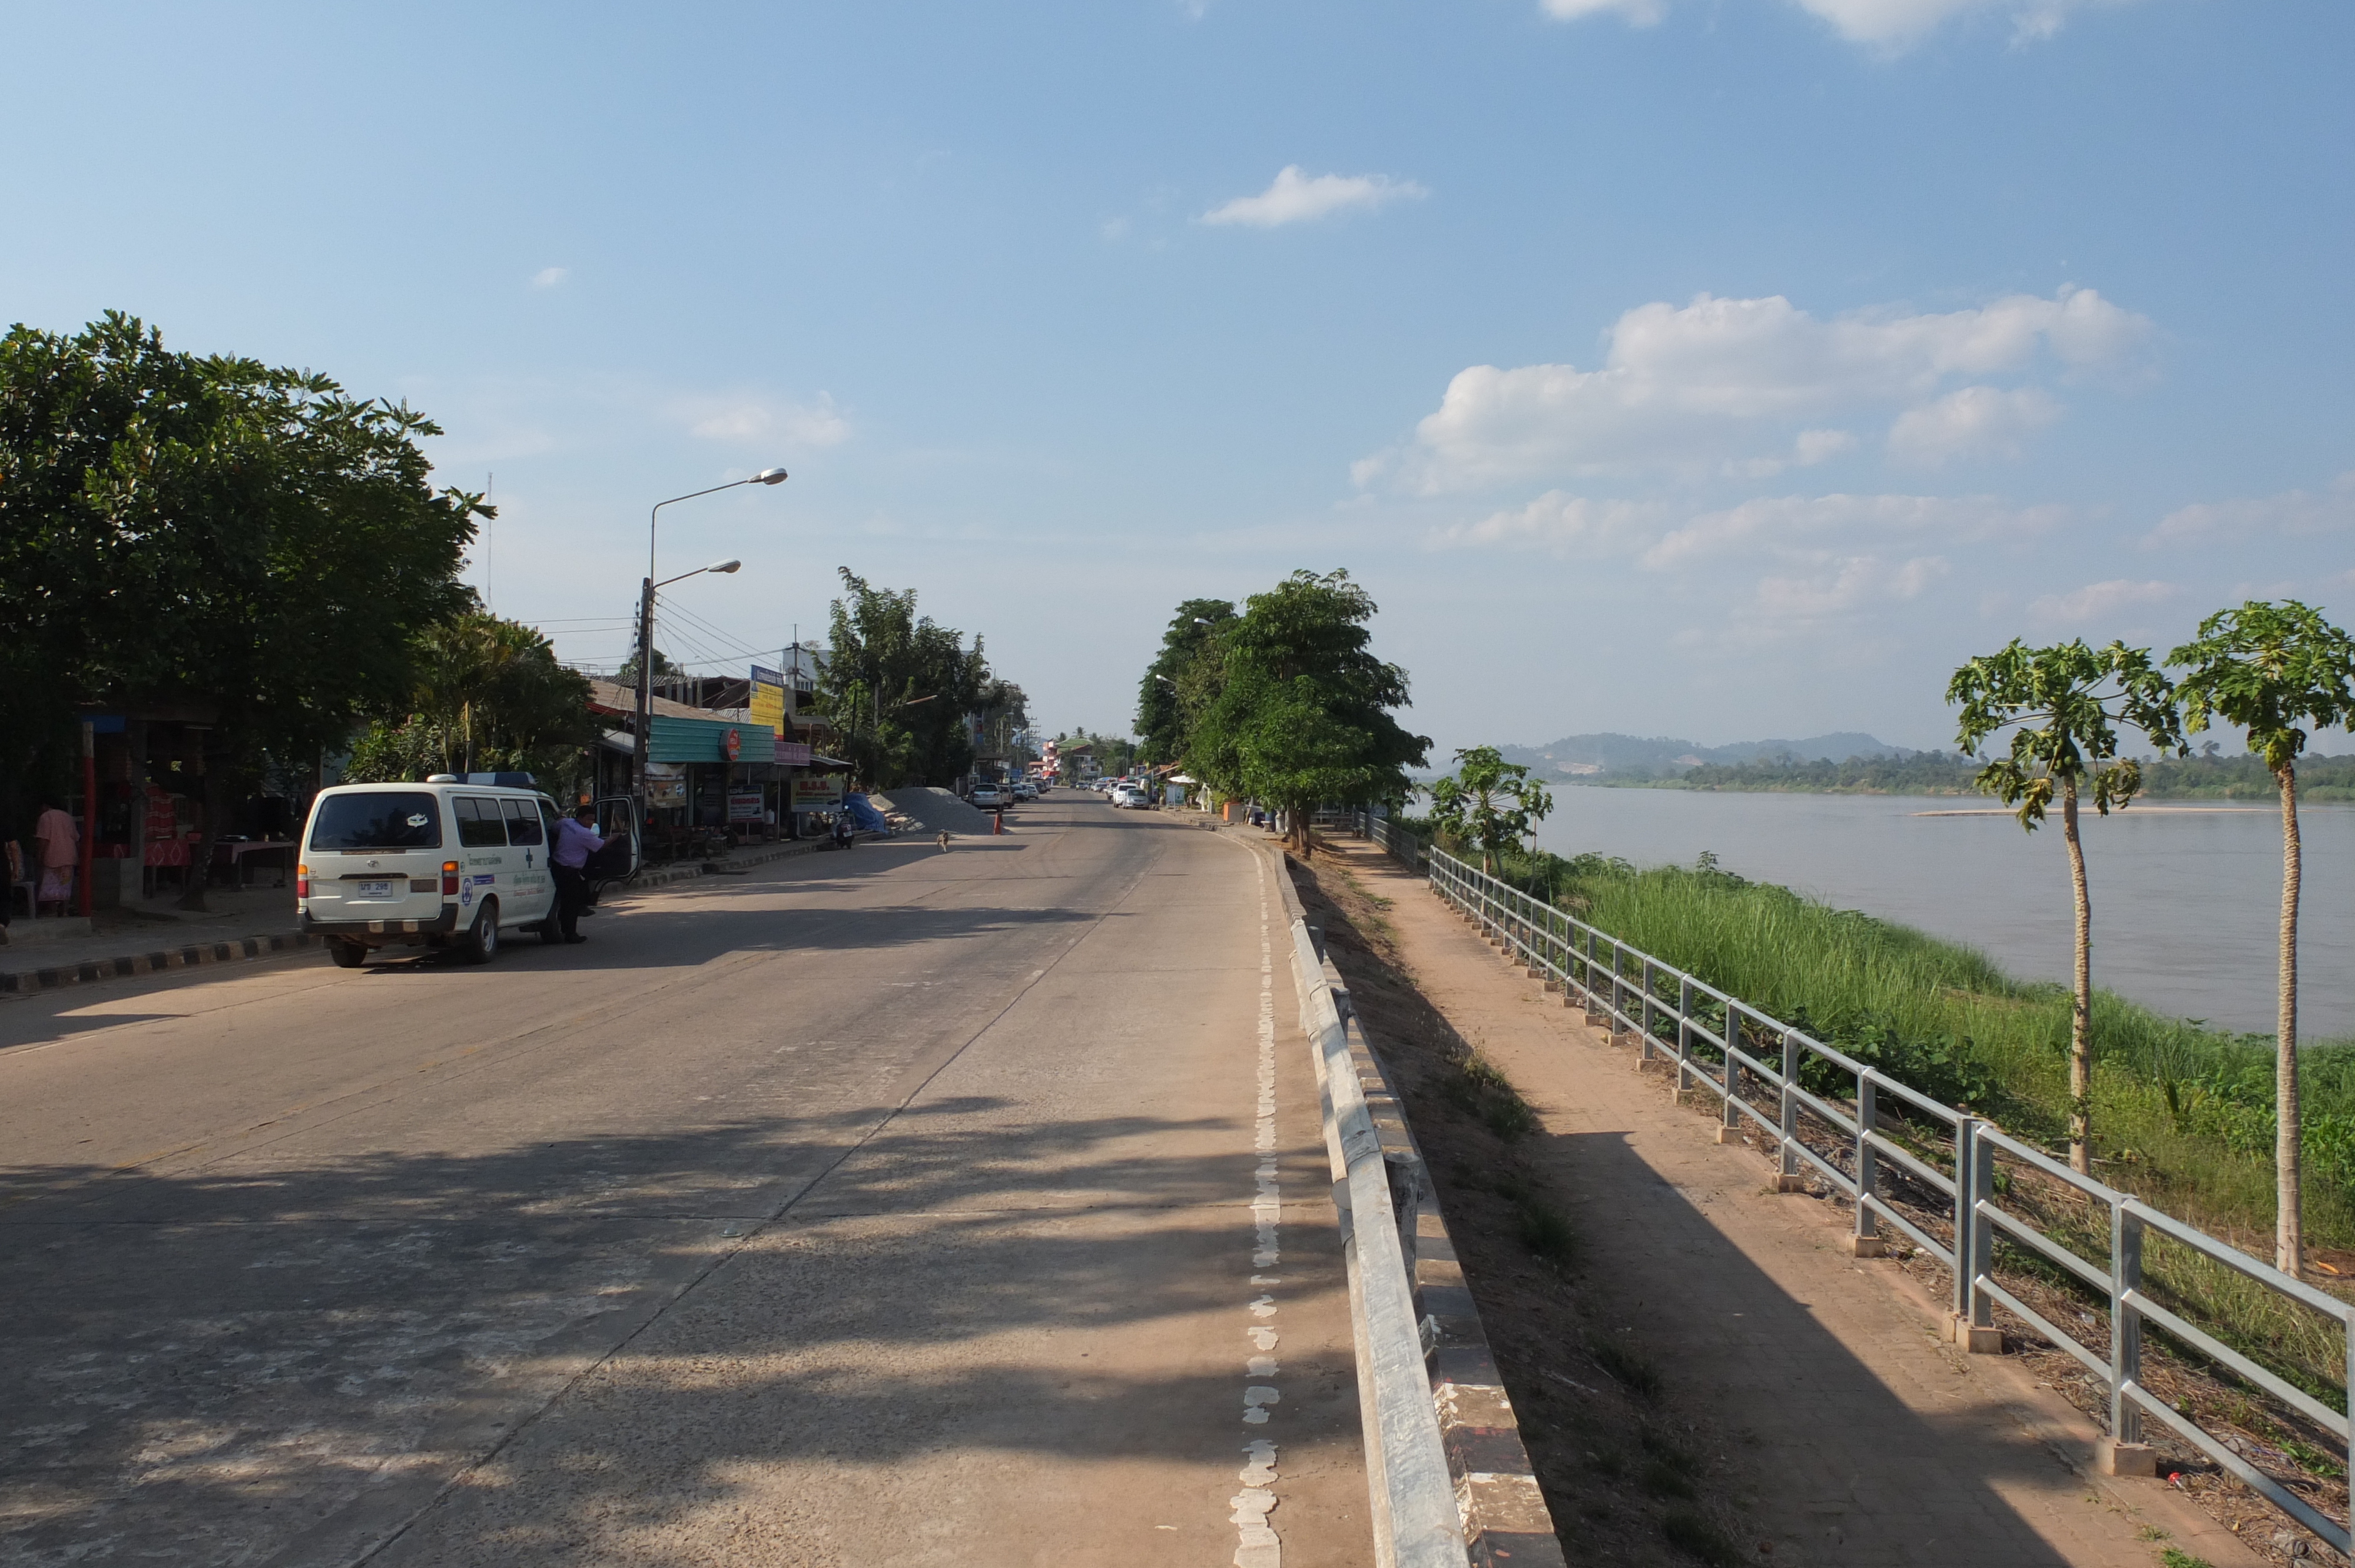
[[647, 618]]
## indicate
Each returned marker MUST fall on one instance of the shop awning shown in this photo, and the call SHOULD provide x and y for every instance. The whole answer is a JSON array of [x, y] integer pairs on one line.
[[696, 740]]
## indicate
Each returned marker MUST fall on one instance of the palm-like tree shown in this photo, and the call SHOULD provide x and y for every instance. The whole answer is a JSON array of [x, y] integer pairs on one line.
[[1489, 801], [2065, 706], [2270, 668]]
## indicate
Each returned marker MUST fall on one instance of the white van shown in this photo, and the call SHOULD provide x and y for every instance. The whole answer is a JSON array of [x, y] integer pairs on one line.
[[417, 864]]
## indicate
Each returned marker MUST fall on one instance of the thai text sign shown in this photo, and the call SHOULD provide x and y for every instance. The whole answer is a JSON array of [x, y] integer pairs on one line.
[[822, 792], [768, 700]]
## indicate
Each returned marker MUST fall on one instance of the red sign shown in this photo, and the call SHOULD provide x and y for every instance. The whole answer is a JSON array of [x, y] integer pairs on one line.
[[732, 743]]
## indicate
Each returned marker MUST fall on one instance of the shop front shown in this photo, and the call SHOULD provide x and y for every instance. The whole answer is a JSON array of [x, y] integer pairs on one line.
[[705, 783]]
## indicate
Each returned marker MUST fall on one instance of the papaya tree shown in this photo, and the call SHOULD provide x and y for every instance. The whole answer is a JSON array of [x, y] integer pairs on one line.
[[2272, 670], [2066, 705], [1490, 802]]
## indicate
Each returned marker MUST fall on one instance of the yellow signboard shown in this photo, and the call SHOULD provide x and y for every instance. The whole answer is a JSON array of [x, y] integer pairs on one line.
[[768, 707]]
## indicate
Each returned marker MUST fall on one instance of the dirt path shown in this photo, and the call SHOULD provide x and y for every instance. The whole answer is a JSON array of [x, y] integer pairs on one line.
[[1862, 1438]]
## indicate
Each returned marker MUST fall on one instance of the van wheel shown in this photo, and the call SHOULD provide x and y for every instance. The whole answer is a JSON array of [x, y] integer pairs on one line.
[[483, 936], [347, 955]]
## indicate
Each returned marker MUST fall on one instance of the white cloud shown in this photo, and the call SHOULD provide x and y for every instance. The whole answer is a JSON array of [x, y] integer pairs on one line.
[[1297, 198], [551, 277], [795, 424], [2096, 602], [1838, 584], [1801, 529], [1900, 23], [1638, 13], [1890, 25], [1787, 522], [1682, 386], [1564, 523], [2294, 513], [1976, 422], [1815, 446]]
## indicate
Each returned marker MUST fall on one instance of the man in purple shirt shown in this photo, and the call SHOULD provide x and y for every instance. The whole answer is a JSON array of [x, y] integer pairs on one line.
[[576, 841]]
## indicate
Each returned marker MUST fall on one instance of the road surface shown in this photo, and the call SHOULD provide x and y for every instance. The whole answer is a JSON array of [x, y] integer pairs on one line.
[[892, 1206]]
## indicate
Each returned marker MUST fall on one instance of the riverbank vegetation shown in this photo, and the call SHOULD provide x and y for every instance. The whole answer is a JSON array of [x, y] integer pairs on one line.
[[2183, 1113], [2320, 779]]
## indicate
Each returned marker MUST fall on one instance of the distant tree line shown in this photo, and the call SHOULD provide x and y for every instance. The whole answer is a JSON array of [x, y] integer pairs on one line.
[[2206, 776]]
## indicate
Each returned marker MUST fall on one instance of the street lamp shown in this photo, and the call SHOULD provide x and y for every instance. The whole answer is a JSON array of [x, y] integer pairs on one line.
[[646, 617]]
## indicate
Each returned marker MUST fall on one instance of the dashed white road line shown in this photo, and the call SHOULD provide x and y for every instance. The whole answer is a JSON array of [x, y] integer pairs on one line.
[[1257, 1545]]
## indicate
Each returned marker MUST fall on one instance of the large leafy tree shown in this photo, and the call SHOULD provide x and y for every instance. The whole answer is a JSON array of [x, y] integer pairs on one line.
[[1182, 679], [2274, 669], [489, 694], [1490, 802], [899, 686], [1305, 712], [2066, 705], [208, 532]]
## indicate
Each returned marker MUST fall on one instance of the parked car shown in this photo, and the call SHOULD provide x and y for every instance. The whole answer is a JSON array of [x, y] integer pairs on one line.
[[988, 797], [421, 864], [1025, 790]]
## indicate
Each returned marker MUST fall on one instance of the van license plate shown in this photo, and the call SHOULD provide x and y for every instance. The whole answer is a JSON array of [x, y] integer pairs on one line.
[[374, 890]]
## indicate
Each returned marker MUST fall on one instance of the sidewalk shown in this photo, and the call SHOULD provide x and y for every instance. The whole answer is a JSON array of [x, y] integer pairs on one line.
[[1873, 1442], [256, 922]]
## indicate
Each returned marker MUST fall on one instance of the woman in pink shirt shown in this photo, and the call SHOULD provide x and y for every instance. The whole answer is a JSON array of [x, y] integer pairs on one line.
[[60, 843]]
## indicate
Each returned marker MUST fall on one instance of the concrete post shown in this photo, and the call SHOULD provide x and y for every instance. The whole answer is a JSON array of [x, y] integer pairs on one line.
[[1866, 1240], [1976, 1332], [1644, 1018], [1729, 1130], [1684, 1038], [1786, 1166], [2122, 1452]]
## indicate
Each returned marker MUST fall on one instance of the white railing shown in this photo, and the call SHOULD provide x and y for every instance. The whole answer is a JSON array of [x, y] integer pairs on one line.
[[1757, 1068]]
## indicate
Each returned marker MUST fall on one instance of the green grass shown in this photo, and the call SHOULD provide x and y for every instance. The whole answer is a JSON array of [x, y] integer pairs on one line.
[[2182, 1114]]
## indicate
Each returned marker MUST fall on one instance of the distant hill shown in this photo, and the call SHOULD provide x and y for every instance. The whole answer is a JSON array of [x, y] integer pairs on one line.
[[1595, 756]]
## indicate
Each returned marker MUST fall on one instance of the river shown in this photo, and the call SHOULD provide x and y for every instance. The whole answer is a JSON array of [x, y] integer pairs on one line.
[[2187, 898]]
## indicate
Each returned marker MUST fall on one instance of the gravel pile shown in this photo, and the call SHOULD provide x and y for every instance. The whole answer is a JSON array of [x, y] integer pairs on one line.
[[935, 810]]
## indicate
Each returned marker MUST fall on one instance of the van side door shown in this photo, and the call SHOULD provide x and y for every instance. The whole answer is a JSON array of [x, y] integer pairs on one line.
[[528, 851], [482, 856]]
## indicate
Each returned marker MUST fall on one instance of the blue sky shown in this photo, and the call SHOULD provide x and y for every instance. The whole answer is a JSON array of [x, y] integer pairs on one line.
[[1717, 369]]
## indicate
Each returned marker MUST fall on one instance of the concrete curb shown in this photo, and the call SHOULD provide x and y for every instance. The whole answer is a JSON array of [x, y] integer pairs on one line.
[[1500, 1513], [23, 982], [56, 976]]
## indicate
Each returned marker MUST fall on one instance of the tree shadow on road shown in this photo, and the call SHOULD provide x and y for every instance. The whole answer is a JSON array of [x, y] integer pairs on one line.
[[234, 1355]]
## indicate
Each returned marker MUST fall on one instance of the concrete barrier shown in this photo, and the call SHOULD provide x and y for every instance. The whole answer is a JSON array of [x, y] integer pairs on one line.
[[1450, 1482]]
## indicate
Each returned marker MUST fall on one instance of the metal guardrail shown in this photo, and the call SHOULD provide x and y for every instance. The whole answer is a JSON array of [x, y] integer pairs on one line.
[[1755, 1065]]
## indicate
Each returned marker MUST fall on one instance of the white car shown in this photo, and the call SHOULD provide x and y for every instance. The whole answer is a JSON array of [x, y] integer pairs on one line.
[[416, 864], [1025, 790], [988, 797]]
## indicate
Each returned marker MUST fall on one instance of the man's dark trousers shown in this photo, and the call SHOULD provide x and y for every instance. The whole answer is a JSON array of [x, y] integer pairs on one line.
[[571, 897]]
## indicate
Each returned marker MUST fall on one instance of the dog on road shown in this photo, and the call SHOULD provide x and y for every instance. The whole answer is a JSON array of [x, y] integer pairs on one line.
[[944, 840]]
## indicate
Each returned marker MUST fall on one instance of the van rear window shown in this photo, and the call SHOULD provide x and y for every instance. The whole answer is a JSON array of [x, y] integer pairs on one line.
[[373, 821]]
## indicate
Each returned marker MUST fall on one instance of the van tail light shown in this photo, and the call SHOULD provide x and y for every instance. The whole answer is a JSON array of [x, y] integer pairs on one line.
[[301, 882], [449, 879]]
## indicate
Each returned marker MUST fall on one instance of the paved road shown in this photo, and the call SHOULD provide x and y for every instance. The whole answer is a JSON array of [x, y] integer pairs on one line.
[[891, 1207]]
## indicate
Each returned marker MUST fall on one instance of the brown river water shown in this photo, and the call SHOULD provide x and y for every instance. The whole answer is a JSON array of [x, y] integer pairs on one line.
[[2185, 897]]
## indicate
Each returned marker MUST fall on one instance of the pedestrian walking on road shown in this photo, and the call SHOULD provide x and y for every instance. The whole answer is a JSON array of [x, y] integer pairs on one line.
[[576, 841], [60, 843]]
